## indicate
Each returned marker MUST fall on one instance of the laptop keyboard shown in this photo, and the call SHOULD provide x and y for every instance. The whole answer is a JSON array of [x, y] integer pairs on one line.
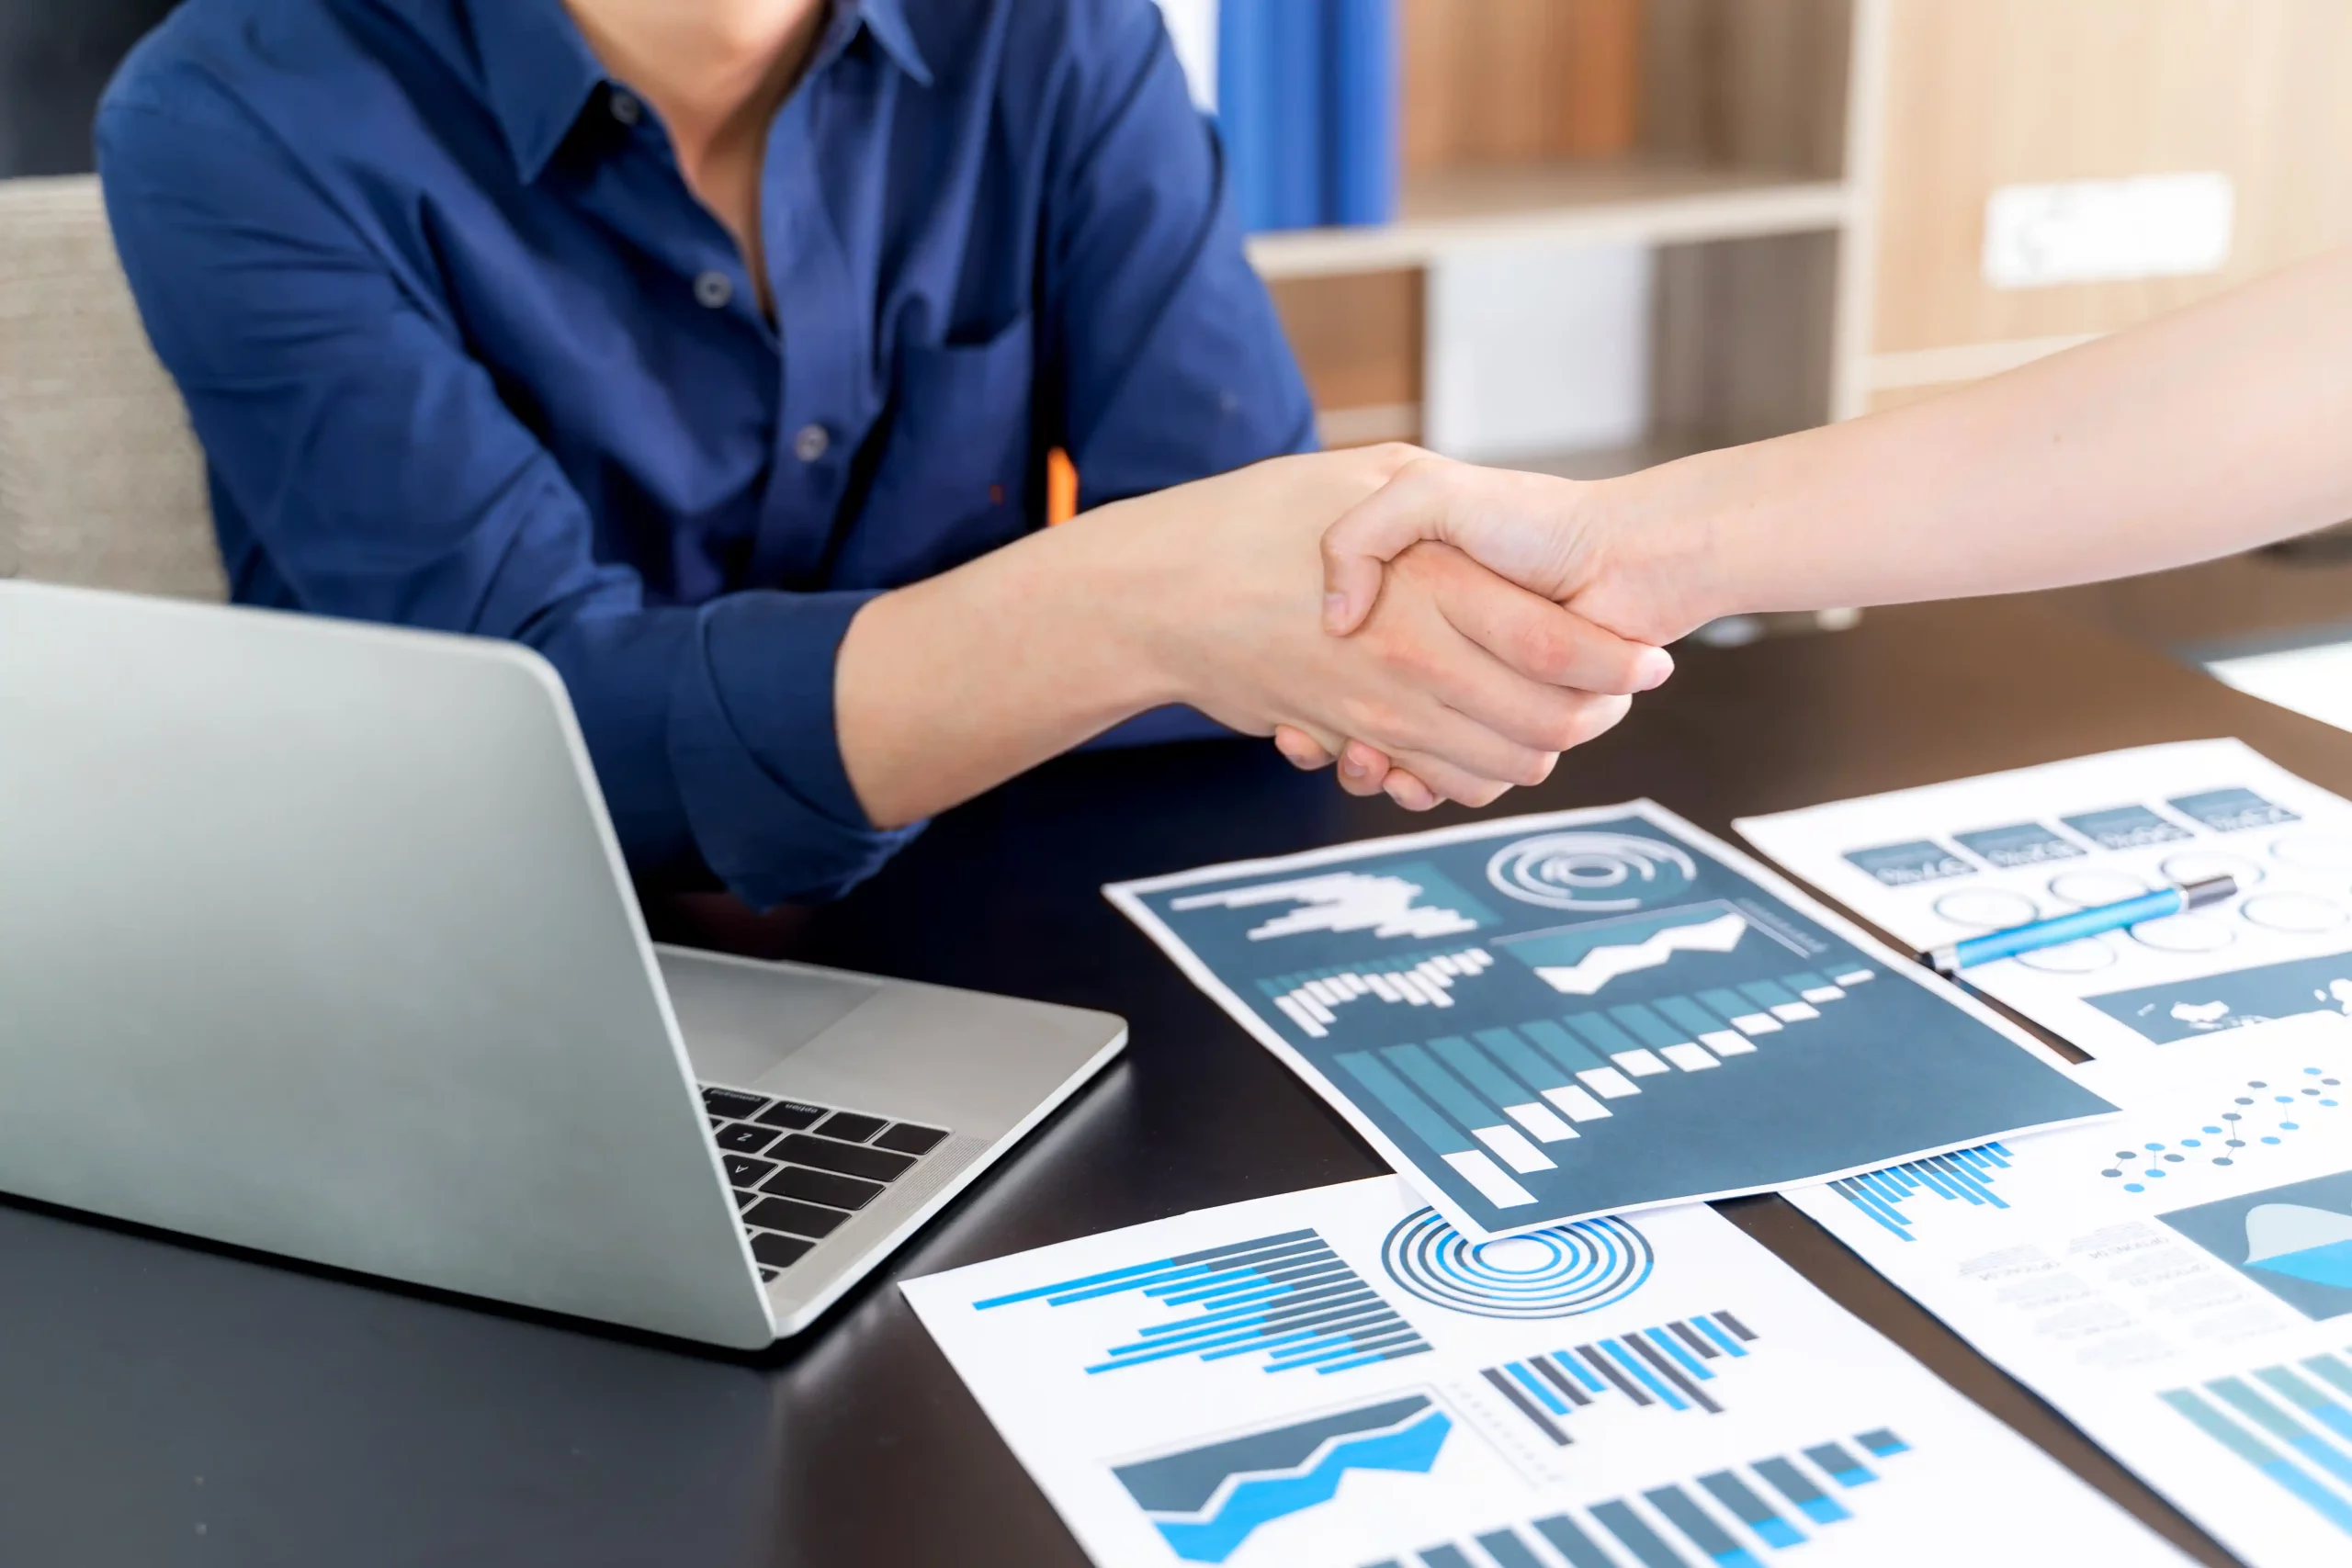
[[800, 1170]]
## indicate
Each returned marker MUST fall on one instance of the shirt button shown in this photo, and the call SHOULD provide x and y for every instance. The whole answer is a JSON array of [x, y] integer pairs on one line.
[[625, 107], [812, 443], [713, 290]]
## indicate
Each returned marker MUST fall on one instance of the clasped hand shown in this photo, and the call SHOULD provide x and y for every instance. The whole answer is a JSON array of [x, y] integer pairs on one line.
[[1448, 681]]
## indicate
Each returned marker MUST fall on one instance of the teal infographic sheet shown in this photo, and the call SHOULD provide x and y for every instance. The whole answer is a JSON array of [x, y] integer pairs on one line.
[[1337, 1379], [1548, 1018]]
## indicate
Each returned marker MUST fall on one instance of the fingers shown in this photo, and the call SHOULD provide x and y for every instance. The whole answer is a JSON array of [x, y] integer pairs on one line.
[[1401, 513], [1362, 769], [1365, 770], [1301, 749], [1538, 638]]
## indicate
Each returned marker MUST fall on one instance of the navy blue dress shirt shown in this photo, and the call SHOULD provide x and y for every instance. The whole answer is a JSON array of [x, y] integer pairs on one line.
[[464, 352]]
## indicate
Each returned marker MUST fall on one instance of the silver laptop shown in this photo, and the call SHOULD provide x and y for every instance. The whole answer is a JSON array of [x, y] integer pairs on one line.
[[315, 937]]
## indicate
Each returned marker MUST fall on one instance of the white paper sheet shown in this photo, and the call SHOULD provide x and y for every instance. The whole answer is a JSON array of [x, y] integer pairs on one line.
[[1951, 860], [1540, 1019], [1431, 1425], [2177, 1282]]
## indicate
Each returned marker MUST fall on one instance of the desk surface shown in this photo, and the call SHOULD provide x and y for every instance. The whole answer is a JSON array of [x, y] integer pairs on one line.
[[166, 1404]]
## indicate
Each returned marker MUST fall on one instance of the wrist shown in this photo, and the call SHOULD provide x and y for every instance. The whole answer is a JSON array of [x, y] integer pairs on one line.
[[1113, 595], [1660, 535]]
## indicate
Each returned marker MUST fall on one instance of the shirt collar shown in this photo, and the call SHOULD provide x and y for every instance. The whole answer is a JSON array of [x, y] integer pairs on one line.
[[538, 72], [886, 20]]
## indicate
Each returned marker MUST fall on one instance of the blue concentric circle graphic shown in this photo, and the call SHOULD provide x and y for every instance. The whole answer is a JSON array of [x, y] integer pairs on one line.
[[1561, 1272], [1591, 871]]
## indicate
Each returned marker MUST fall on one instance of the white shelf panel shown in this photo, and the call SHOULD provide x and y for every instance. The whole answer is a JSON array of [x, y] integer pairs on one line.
[[1563, 204]]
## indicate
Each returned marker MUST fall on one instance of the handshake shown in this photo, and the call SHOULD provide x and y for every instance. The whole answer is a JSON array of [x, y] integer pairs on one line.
[[1441, 631]]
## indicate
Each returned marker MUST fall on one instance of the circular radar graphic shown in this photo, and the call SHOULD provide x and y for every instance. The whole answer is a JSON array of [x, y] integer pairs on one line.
[[1591, 871], [1559, 1272]]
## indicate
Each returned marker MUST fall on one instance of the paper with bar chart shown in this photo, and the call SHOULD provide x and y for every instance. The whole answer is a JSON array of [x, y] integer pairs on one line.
[[2177, 1281], [1546, 1018], [1953, 860], [1339, 1379]]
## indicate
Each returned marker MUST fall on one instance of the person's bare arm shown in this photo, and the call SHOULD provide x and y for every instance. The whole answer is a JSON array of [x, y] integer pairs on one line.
[[2211, 430], [1207, 593]]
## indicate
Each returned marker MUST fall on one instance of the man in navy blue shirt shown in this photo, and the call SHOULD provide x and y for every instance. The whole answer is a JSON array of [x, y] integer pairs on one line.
[[713, 347]]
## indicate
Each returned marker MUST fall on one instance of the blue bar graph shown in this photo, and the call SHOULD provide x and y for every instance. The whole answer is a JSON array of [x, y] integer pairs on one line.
[[1286, 1300], [1706, 1514], [1963, 1176], [2305, 1487], [1750, 1509], [1666, 1367], [1693, 1521]]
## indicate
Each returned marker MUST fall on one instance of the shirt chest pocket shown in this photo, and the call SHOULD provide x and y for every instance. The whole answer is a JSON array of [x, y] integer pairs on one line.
[[953, 477]]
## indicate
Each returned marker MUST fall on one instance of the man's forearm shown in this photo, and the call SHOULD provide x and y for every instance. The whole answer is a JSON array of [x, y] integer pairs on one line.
[[2212, 430], [951, 685]]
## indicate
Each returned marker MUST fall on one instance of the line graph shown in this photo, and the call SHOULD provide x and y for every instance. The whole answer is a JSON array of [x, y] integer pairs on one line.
[[1207, 1501], [1580, 961]]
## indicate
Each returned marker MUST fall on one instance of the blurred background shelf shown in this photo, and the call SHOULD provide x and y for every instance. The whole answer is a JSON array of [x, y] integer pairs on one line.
[[1616, 201]]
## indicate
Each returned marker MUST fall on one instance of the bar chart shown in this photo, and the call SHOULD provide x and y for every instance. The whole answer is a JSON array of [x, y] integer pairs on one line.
[[1486, 1103], [1312, 999], [2293, 1423], [1772, 1503], [1669, 1367], [1285, 1302], [1963, 1176]]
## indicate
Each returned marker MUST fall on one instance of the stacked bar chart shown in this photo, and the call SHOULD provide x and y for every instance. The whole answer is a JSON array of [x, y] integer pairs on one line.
[[1286, 1303], [1772, 1503], [1312, 999], [1665, 1368], [2292, 1422], [1965, 1175]]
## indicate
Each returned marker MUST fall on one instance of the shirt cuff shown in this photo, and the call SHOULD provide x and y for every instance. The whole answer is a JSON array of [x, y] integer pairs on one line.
[[757, 755]]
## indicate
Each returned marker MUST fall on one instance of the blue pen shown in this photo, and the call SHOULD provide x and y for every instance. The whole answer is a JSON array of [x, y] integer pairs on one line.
[[1950, 961]]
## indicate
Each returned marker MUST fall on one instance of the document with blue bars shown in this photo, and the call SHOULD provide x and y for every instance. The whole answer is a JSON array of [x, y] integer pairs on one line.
[[2177, 1281], [1547, 1018], [1340, 1378]]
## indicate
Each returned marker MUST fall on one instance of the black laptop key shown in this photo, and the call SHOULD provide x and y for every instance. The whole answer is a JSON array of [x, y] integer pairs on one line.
[[732, 1102], [800, 1219], [907, 1138], [791, 1114], [850, 1125], [766, 1274], [821, 1187], [779, 1251], [745, 1199], [874, 1165], [742, 1170], [746, 1138]]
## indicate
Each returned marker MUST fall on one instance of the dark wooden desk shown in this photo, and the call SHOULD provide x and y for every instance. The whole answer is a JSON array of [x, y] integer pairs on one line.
[[164, 1404]]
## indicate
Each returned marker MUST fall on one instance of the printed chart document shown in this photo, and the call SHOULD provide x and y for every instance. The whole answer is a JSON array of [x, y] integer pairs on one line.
[[1957, 860], [1337, 1379], [1546, 1018], [2177, 1281]]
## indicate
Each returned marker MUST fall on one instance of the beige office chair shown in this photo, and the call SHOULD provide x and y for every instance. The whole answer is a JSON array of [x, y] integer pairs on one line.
[[100, 480]]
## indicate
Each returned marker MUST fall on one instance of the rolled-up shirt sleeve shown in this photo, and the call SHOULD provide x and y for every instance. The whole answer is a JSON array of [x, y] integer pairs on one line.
[[386, 479]]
